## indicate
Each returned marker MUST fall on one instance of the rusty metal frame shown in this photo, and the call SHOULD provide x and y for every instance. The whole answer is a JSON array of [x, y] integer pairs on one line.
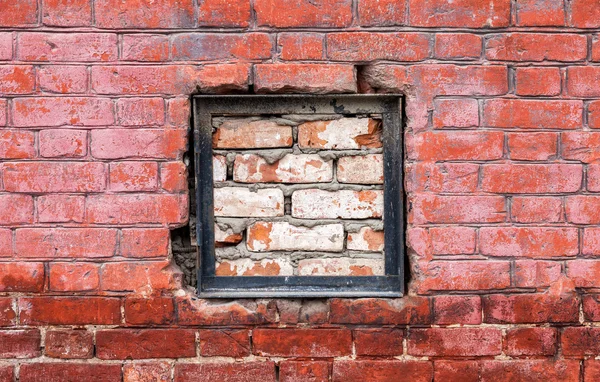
[[389, 285]]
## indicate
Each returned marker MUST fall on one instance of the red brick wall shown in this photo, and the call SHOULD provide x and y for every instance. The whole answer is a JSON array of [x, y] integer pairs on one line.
[[502, 106]]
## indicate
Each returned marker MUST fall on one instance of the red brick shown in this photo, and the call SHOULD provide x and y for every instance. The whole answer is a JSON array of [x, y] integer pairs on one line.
[[465, 275], [591, 241], [381, 12], [456, 371], [179, 112], [536, 273], [74, 277], [7, 373], [225, 343], [87, 47], [594, 112], [139, 143], [581, 146], [531, 178], [290, 14], [377, 46], [147, 372], [457, 46], [456, 145], [591, 370], [297, 311], [378, 342], [18, 13], [6, 46], [582, 80], [17, 79], [16, 144], [239, 312], [65, 143], [15, 209], [584, 273], [591, 307], [60, 208], [451, 310], [173, 176], [593, 177], [296, 46], [461, 112], [141, 277], [133, 176], [137, 208], [224, 13], [530, 341], [536, 242], [63, 79], [540, 13], [304, 78], [461, 13], [361, 169], [21, 277], [67, 13], [54, 111], [536, 47], [301, 168], [443, 177], [453, 240], [457, 209], [595, 48], [533, 114], [149, 14], [456, 342], [54, 177], [70, 372], [149, 343], [538, 81], [304, 371], [530, 209], [144, 243], [6, 243], [8, 314], [141, 111], [69, 311], [381, 371], [149, 311], [69, 344], [585, 14], [529, 370], [226, 47], [583, 209], [20, 343], [532, 146], [579, 342], [530, 308], [302, 342], [3, 112], [263, 371], [66, 242], [373, 311], [145, 47]]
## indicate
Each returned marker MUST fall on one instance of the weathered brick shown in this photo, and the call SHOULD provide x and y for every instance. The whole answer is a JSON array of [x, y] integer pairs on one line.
[[290, 14], [538, 81], [366, 239], [173, 176], [6, 242], [239, 202], [116, 14], [535, 13], [226, 343], [530, 308], [247, 267], [133, 176], [583, 209], [17, 144], [149, 311], [87, 47], [18, 13], [579, 342], [224, 13], [381, 12], [304, 78], [147, 371], [532, 146], [63, 79], [456, 145], [594, 111], [224, 235], [21, 277], [15, 209], [591, 241], [17, 79], [381, 371], [531, 370], [6, 46], [461, 13], [591, 370], [66, 242], [63, 143], [20, 343], [530, 342], [536, 273], [360, 169], [141, 111], [226, 47], [361, 46], [532, 209], [236, 372], [74, 277], [8, 313], [144, 242], [453, 240], [145, 47], [457, 46], [472, 275], [582, 80], [451, 310], [50, 177], [595, 48], [138, 143], [150, 343], [581, 146], [585, 14], [531, 178], [282, 236], [67, 13], [136, 208], [70, 311], [460, 112], [59, 111], [591, 307], [69, 344], [442, 177], [300, 46], [584, 273], [292, 168], [341, 134], [456, 371], [139, 277], [60, 208], [304, 371], [70, 372], [528, 242], [341, 267], [457, 209], [536, 47], [378, 342], [247, 134], [455, 342], [377, 311], [533, 114], [344, 204], [302, 342]]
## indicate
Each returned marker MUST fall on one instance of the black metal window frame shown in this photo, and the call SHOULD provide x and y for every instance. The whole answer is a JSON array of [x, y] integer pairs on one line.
[[391, 284]]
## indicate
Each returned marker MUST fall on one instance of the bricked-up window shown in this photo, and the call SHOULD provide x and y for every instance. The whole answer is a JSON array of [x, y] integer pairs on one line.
[[299, 196]]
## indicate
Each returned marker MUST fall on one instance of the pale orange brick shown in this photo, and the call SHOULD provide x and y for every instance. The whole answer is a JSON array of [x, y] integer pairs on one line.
[[360, 169], [292, 168], [247, 134], [282, 236]]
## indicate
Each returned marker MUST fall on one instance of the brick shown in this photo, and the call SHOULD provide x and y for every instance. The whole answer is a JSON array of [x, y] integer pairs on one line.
[[456, 145], [535, 13], [17, 79], [457, 46], [360, 169], [236, 372], [457, 209], [584, 273], [6, 243], [139, 277], [361, 46], [173, 176], [15, 209], [63, 79], [381, 371], [87, 47], [536, 242], [141, 111], [69, 344], [456, 371], [115, 14], [148, 343], [594, 111], [224, 13], [147, 371], [344, 204], [340, 134], [591, 370], [138, 143], [536, 47], [451, 310], [304, 78], [60, 208], [366, 239], [290, 14], [133, 176], [225, 343], [593, 177], [137, 208], [69, 311], [462, 112], [282, 236], [20, 343], [239, 202], [6, 46], [461, 13], [16, 144], [530, 308], [533, 114], [145, 242], [591, 307], [377, 311], [531, 178], [530, 342], [55, 111], [145, 47], [70, 372], [538, 81], [341, 267], [583, 209], [378, 342], [532, 146], [225, 236], [581, 81], [535, 273], [472, 275], [530, 209], [149, 311], [304, 371], [580, 342], [66, 242], [456, 342], [247, 267], [585, 14], [453, 240], [21, 13], [581, 146], [296, 46], [63, 143], [67, 13], [294, 311], [443, 177], [591, 241], [247, 134], [595, 49], [21, 277], [381, 12], [74, 277], [54, 177], [7, 373], [302, 342], [292, 168], [211, 47], [530, 370], [8, 314]]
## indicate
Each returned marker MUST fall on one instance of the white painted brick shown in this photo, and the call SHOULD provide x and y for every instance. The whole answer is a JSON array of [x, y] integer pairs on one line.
[[303, 168], [219, 168], [341, 267], [361, 169], [241, 202], [225, 237], [282, 236], [247, 134], [341, 134], [366, 239], [247, 267], [345, 204]]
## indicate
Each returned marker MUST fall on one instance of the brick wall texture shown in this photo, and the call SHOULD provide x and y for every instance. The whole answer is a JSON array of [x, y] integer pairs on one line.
[[502, 174]]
